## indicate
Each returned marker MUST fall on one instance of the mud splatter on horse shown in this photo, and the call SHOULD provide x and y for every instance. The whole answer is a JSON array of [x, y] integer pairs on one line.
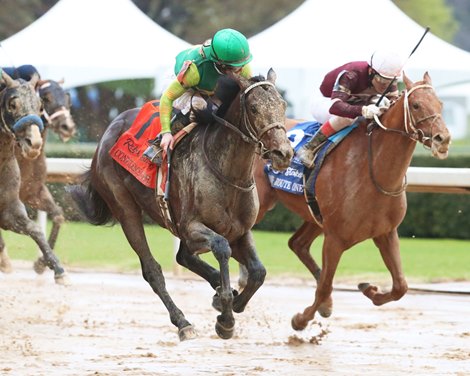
[[21, 128], [34, 191], [213, 200]]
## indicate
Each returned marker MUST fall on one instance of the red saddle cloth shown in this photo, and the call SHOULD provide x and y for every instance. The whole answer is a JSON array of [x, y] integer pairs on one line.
[[129, 148]]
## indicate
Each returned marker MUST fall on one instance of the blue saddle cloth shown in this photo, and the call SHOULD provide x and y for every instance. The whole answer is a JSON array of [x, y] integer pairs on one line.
[[291, 180]]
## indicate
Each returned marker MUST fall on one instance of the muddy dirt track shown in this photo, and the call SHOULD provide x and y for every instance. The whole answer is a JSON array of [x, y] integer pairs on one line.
[[113, 324]]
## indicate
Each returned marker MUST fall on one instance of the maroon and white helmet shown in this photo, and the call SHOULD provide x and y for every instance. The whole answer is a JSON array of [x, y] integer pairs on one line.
[[388, 64]]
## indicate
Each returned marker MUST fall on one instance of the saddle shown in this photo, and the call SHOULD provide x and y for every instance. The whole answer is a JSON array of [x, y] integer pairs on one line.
[[310, 175], [129, 150], [298, 179]]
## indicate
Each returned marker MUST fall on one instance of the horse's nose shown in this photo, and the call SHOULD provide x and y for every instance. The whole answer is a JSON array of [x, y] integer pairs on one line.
[[442, 138], [34, 140]]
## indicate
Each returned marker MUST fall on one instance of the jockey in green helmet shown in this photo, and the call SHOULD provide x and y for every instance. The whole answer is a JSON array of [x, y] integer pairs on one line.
[[197, 70]]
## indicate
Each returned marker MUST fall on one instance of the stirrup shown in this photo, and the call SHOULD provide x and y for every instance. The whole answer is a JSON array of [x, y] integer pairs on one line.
[[154, 154], [154, 151]]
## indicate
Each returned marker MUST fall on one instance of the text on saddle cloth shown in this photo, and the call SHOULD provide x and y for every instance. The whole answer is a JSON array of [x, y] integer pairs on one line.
[[291, 180], [129, 148]]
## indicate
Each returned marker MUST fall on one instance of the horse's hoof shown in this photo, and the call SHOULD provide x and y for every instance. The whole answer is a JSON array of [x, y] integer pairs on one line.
[[222, 331], [297, 323], [39, 266], [188, 332], [63, 279], [217, 304], [363, 286], [325, 310]]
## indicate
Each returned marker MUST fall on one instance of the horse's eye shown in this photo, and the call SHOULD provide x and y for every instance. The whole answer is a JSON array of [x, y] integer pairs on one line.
[[415, 106], [253, 109], [12, 105]]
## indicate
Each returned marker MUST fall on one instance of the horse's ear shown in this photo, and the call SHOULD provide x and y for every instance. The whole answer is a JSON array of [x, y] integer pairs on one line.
[[35, 80], [407, 81], [61, 81], [8, 81], [427, 78], [272, 76]]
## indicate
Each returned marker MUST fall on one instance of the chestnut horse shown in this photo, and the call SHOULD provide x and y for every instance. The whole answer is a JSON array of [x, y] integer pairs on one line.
[[361, 193], [34, 192], [21, 128], [212, 197]]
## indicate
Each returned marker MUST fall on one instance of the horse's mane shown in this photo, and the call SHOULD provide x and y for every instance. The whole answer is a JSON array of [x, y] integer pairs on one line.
[[226, 91]]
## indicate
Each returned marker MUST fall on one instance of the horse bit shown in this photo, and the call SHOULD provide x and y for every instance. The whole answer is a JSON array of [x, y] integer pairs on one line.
[[414, 135]]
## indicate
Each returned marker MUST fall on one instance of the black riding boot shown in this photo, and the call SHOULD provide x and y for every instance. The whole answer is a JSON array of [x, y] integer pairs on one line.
[[307, 152], [154, 151]]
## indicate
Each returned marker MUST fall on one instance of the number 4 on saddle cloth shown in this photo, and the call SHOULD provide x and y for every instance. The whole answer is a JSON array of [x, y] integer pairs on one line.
[[297, 176]]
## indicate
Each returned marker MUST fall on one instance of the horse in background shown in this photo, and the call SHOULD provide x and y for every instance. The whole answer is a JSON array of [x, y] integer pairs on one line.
[[212, 193], [21, 128], [361, 193], [34, 191]]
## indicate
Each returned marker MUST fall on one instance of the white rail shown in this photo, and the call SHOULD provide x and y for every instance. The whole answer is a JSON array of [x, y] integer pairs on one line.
[[420, 179]]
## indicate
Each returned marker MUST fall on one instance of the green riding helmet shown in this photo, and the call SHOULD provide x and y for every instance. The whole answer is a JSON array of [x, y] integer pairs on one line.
[[230, 47]]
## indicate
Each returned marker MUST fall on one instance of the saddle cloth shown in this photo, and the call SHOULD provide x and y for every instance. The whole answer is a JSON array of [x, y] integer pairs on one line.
[[291, 180], [129, 148]]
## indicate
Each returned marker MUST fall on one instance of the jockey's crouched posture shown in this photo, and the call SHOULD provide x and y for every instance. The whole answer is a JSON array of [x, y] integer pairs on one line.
[[348, 92], [197, 70]]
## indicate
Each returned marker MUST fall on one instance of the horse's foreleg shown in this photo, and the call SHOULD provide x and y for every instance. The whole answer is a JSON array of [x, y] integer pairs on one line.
[[5, 263], [300, 243], [197, 265], [331, 254], [245, 253], [152, 272], [45, 202], [18, 221], [199, 237], [389, 246]]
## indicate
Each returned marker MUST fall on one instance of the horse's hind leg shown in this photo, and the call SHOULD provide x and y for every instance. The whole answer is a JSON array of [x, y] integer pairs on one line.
[[331, 254], [389, 246], [245, 253], [5, 263], [300, 243], [17, 220], [152, 272]]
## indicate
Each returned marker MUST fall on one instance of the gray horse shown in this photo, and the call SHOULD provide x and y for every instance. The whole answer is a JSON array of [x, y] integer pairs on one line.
[[33, 191], [213, 197], [21, 128]]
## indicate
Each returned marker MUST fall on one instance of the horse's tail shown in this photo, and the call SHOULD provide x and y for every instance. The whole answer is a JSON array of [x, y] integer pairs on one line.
[[91, 205]]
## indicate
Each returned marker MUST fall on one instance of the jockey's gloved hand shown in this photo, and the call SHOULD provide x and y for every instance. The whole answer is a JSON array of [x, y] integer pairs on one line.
[[385, 102], [167, 140], [370, 110]]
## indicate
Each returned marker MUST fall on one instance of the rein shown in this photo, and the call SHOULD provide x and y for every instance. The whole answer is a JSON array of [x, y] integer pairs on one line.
[[251, 136], [414, 135]]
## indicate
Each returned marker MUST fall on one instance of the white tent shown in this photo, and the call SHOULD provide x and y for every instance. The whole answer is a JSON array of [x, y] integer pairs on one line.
[[321, 35], [88, 41]]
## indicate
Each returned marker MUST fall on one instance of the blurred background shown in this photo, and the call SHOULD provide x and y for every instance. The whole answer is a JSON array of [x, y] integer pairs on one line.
[[191, 22]]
